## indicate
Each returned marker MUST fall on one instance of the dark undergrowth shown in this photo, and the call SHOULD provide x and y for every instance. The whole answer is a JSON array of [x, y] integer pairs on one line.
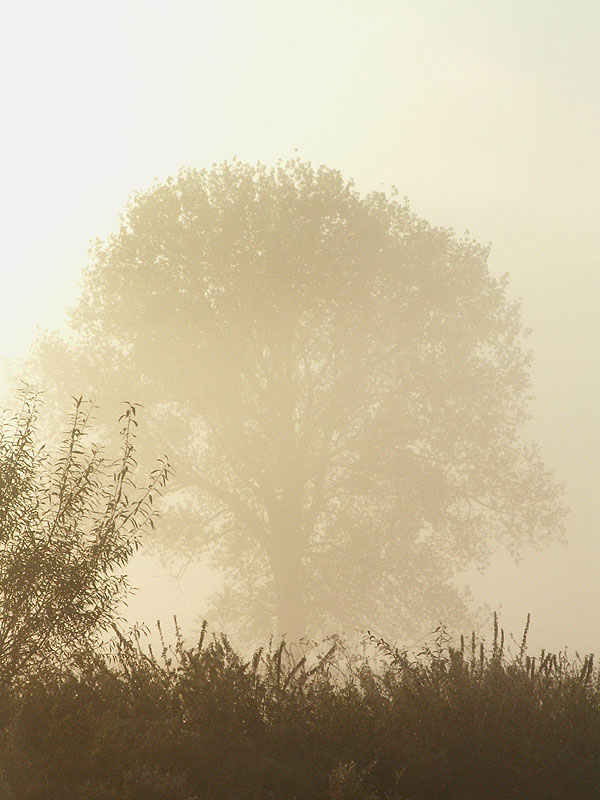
[[464, 722]]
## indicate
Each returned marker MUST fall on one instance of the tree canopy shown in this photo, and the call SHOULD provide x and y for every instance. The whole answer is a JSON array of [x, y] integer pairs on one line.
[[342, 387]]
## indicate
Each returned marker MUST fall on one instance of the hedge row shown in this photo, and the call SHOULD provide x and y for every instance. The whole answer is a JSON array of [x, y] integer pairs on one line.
[[204, 722]]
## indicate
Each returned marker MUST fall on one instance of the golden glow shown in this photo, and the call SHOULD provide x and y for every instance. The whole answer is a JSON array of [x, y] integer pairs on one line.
[[485, 116]]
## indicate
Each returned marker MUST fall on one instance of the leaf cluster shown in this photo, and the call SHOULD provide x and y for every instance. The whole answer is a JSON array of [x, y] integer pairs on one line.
[[68, 525]]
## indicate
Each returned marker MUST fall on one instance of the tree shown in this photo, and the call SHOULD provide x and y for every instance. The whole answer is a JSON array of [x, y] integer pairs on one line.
[[67, 529], [343, 386]]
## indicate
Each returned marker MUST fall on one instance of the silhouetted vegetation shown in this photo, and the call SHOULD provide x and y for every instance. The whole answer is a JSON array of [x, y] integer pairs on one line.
[[68, 525], [465, 722]]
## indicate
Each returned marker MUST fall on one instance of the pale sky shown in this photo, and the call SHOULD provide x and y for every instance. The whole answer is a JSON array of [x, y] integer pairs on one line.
[[484, 114]]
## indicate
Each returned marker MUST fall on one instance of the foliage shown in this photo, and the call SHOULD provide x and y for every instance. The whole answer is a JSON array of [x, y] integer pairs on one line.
[[343, 386], [68, 525], [328, 724]]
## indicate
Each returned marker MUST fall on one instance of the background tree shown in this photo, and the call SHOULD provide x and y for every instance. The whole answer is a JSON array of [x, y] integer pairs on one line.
[[67, 528], [342, 384]]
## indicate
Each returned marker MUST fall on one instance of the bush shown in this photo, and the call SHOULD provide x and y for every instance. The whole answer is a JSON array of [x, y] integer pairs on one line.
[[203, 722], [67, 528]]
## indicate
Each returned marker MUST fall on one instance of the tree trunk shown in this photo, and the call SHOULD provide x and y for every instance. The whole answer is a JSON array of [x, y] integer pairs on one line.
[[289, 592], [288, 544]]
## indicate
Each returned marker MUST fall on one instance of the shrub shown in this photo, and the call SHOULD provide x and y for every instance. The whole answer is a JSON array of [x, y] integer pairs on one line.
[[204, 722], [68, 525]]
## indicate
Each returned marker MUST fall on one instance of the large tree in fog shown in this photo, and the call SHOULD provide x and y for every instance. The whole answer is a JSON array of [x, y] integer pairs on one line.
[[340, 387]]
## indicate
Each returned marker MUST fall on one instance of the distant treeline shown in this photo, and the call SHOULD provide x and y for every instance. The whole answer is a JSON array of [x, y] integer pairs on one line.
[[204, 722]]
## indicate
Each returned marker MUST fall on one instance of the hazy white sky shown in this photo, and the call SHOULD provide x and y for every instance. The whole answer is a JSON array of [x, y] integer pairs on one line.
[[484, 114]]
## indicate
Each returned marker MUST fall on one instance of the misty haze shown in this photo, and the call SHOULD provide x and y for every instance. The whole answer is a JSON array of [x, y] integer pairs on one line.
[[339, 388], [299, 483]]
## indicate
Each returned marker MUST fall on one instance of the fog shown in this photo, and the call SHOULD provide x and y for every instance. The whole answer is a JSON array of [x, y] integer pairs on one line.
[[485, 117]]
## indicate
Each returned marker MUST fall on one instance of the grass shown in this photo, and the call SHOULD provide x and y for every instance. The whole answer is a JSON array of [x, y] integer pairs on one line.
[[453, 720]]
